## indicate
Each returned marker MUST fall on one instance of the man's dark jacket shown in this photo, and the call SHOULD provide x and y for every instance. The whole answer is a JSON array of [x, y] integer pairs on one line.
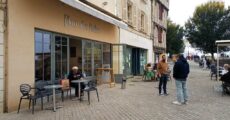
[[181, 69]]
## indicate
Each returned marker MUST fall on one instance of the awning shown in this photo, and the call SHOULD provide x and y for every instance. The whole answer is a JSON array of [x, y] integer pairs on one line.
[[93, 12], [223, 42]]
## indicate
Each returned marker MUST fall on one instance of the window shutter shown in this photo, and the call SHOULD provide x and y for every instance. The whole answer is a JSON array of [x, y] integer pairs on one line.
[[124, 10], [139, 19], [134, 16], [146, 25]]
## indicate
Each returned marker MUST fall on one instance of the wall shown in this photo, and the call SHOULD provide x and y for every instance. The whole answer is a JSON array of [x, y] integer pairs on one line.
[[111, 6], [2, 58], [132, 39], [157, 22], [26, 15]]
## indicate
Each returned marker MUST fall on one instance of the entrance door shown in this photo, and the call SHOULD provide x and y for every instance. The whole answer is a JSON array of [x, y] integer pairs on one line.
[[87, 58], [60, 57], [136, 61]]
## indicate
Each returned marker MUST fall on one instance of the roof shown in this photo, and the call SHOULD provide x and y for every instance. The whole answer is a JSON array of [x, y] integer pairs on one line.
[[223, 42]]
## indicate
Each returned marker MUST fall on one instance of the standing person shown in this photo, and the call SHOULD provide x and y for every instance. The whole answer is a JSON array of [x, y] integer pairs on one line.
[[75, 74], [162, 68], [204, 63], [180, 74]]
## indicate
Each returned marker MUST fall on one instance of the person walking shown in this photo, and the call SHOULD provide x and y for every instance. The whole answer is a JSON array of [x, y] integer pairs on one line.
[[180, 74], [162, 68]]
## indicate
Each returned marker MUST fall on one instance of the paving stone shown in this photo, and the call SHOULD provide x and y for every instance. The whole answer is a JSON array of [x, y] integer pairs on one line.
[[140, 101]]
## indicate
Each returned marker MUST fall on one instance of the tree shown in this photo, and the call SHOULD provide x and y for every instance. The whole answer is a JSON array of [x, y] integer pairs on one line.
[[223, 25], [201, 28], [174, 38]]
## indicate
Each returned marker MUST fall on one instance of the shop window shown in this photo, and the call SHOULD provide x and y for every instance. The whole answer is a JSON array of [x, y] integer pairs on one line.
[[42, 56]]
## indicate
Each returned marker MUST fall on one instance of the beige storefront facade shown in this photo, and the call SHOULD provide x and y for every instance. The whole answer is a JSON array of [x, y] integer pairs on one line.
[[25, 18]]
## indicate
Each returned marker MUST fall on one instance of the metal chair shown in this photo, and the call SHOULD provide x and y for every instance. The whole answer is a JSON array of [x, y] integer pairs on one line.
[[25, 91], [226, 88], [91, 86], [213, 71]]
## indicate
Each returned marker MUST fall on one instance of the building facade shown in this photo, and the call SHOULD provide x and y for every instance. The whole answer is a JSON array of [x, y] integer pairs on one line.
[[159, 27], [135, 46], [41, 42]]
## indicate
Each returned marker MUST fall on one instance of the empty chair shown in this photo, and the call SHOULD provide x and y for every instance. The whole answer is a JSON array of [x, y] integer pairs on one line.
[[25, 91], [91, 86], [213, 71]]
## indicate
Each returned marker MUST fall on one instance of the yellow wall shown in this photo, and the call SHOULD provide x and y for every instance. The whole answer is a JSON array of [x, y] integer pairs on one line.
[[26, 15]]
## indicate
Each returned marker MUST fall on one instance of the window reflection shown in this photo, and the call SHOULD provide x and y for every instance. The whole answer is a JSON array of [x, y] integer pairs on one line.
[[42, 56]]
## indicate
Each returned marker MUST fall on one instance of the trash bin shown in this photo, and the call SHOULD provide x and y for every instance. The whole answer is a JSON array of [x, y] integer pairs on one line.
[[123, 83]]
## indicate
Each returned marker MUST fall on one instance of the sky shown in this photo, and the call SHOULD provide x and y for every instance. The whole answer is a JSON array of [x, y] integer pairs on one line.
[[181, 10]]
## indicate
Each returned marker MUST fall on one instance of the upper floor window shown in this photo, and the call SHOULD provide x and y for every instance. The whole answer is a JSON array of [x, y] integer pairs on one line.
[[142, 21], [160, 32], [130, 14], [161, 11]]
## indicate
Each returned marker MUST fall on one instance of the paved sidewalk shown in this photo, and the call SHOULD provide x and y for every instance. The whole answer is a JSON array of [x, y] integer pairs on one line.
[[140, 101]]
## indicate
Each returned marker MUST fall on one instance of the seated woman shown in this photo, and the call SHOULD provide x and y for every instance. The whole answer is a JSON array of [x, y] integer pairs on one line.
[[76, 75], [149, 71], [226, 80], [226, 66]]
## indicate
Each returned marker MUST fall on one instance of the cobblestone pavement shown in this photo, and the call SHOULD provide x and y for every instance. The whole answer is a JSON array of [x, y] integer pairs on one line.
[[140, 101]]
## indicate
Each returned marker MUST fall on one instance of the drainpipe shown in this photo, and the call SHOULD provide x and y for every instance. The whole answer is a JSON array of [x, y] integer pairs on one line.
[[3, 28]]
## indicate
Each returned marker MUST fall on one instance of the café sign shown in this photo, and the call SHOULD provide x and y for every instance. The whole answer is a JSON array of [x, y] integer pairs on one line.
[[80, 24]]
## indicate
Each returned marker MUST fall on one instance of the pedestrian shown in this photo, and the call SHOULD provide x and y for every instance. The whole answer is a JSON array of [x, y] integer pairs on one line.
[[180, 74], [204, 63], [162, 69]]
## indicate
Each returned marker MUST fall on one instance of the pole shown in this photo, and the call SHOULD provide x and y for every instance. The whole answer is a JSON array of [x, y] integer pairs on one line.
[[218, 62]]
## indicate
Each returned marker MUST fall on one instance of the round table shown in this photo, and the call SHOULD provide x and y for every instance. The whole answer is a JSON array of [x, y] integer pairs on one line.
[[79, 85], [53, 87]]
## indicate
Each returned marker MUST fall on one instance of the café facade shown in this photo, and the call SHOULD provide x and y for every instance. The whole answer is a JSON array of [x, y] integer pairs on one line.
[[41, 40], [44, 39]]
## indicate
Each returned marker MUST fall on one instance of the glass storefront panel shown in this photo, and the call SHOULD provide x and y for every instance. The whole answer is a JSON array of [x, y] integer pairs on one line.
[[61, 57], [143, 60], [87, 59], [97, 50], [54, 56], [128, 60], [42, 56], [107, 54]]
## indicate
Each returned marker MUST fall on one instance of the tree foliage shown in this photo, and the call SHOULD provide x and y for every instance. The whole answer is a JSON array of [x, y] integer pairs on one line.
[[203, 28], [174, 38]]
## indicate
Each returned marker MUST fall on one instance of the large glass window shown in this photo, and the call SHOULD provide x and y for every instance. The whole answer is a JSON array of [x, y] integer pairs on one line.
[[42, 56], [87, 63], [107, 54], [97, 50], [61, 57]]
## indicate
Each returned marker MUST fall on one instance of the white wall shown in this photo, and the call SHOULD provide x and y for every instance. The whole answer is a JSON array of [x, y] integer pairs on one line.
[[132, 39]]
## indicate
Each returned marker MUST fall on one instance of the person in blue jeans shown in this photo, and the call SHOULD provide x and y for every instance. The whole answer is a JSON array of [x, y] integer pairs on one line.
[[180, 74]]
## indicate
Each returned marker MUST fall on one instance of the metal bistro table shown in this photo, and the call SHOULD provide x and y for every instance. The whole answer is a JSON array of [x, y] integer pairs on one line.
[[53, 87], [79, 85]]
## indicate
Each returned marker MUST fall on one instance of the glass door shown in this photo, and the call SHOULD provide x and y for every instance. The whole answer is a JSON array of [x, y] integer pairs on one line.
[[60, 57], [97, 50], [87, 58]]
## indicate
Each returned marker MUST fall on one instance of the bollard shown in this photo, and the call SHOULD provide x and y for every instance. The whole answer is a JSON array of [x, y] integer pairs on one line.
[[123, 83]]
